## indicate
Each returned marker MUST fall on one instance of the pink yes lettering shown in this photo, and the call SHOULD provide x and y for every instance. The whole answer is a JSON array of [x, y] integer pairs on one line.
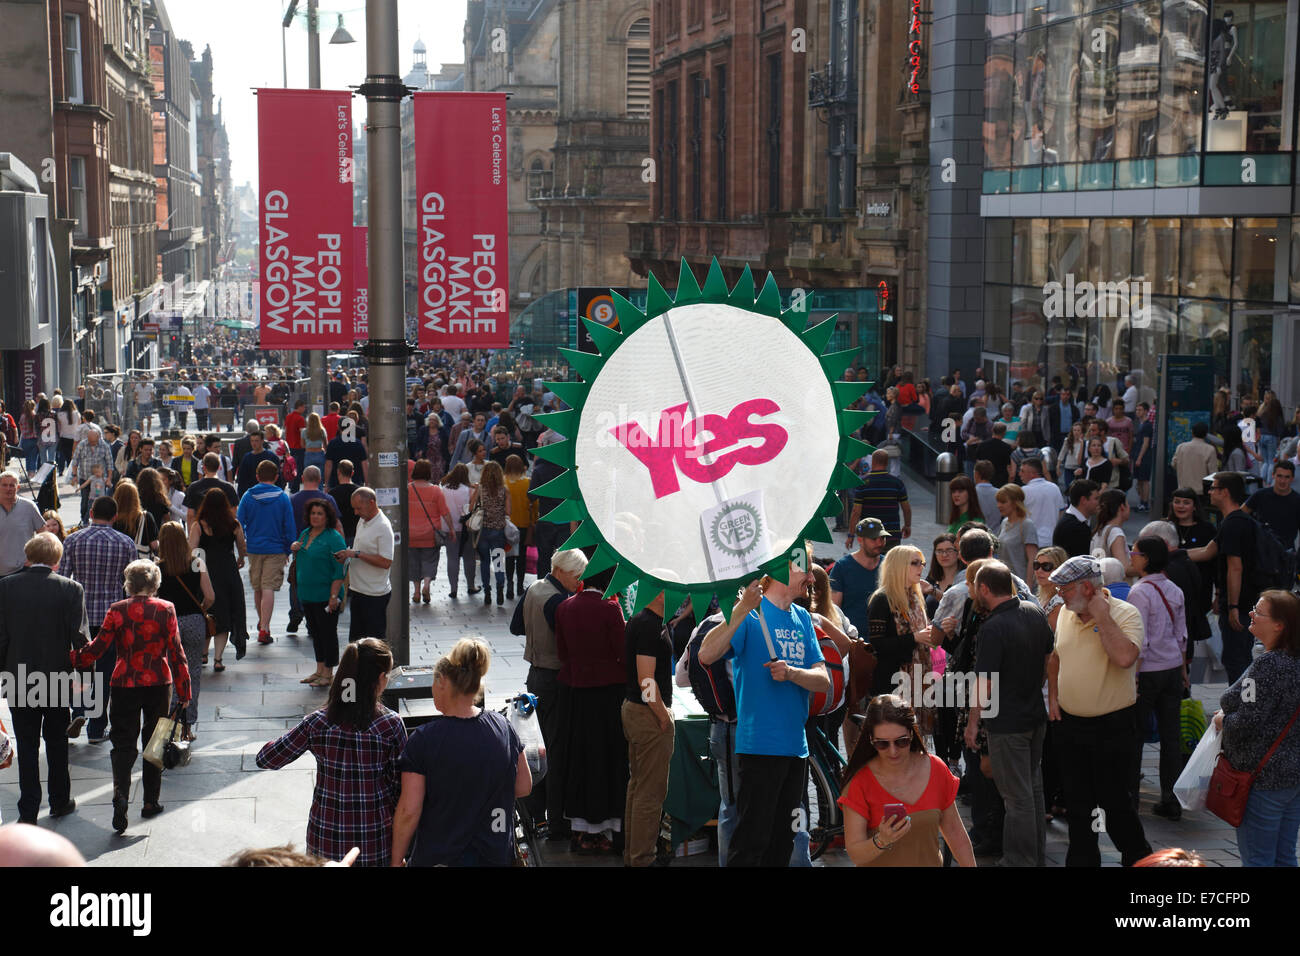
[[676, 446]]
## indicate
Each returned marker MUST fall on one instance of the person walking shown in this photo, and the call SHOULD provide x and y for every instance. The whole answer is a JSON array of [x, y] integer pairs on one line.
[[1259, 711], [457, 490], [191, 594], [19, 520], [133, 521], [882, 496], [523, 512], [429, 525], [267, 518], [357, 743], [320, 583], [1043, 500], [460, 771], [89, 452], [491, 495], [371, 556], [314, 440], [39, 645], [143, 631], [214, 537], [1017, 535], [1092, 693]]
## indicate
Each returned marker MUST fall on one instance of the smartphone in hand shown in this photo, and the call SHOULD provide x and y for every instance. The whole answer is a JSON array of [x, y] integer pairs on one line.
[[894, 811]]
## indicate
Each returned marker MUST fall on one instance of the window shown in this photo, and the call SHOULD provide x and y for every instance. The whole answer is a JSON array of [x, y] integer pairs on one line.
[[660, 118], [1098, 52], [1246, 76], [720, 137], [638, 70], [1138, 81], [697, 146], [670, 167], [774, 132], [999, 81], [694, 12], [72, 89], [77, 193]]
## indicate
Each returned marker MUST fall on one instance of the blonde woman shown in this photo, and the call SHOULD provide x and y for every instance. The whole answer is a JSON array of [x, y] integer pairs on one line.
[[1018, 535], [314, 439], [1047, 561], [897, 622]]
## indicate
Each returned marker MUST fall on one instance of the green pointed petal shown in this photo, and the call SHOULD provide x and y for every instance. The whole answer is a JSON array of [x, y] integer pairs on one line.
[[853, 419], [831, 505], [564, 512], [779, 568], [727, 600], [657, 300], [769, 300], [819, 336], [623, 577], [584, 537], [817, 531], [557, 453], [606, 339], [672, 601], [846, 393], [700, 601], [715, 286], [796, 322], [604, 559], [742, 296], [688, 290], [851, 449], [630, 318], [843, 479], [564, 486], [646, 591], [835, 363], [573, 393], [563, 423], [586, 364]]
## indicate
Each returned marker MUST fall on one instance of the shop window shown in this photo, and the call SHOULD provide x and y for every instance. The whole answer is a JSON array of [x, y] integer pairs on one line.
[[1203, 330], [1029, 252], [1110, 250], [1060, 129], [1138, 80], [1182, 78], [1246, 76], [1030, 98], [1252, 354], [1098, 54], [997, 250], [1155, 254], [1206, 258], [1153, 336], [997, 318], [1068, 255], [1030, 358], [1259, 262], [1295, 259]]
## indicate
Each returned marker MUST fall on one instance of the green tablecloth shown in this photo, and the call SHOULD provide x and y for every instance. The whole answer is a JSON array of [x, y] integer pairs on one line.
[[692, 779]]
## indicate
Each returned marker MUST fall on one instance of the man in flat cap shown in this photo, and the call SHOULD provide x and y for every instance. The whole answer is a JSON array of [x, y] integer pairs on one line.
[[1092, 698]]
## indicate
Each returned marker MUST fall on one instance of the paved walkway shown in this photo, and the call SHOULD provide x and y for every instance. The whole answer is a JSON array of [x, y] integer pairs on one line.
[[222, 803]]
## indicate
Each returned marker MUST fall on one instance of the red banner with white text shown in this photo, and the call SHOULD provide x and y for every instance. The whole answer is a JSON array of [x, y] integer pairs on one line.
[[306, 174], [361, 283], [460, 155]]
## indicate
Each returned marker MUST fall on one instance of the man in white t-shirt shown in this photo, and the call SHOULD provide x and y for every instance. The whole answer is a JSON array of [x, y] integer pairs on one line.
[[1130, 395], [144, 403], [452, 403], [371, 555], [202, 402], [1043, 499]]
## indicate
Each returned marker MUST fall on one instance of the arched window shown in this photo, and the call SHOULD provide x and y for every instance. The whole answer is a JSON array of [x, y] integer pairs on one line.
[[638, 69]]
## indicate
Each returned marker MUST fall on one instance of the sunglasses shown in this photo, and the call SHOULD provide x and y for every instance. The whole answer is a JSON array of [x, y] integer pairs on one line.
[[902, 743], [1044, 566]]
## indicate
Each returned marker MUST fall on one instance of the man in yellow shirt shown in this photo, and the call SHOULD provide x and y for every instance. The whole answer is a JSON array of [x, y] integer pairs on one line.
[[1092, 698]]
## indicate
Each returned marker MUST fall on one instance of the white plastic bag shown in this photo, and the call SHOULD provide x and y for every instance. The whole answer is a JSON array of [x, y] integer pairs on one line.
[[1194, 782], [523, 718]]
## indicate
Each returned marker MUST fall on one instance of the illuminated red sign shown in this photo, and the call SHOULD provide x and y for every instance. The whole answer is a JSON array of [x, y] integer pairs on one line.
[[914, 47]]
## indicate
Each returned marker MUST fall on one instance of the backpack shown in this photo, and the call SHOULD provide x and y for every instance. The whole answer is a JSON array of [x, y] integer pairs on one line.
[[711, 685], [1274, 561], [837, 668], [289, 467]]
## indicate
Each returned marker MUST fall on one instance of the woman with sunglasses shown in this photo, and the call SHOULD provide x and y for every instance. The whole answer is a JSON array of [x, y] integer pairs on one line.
[[899, 633], [1254, 713], [899, 798]]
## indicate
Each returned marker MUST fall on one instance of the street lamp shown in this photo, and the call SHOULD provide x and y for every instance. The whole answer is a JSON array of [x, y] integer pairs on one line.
[[341, 35]]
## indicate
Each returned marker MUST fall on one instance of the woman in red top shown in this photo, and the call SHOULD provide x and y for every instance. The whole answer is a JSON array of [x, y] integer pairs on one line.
[[891, 769], [588, 758], [429, 526], [142, 631]]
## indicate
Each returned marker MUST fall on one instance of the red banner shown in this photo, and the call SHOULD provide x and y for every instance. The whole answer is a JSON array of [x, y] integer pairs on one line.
[[460, 149], [361, 284], [306, 174]]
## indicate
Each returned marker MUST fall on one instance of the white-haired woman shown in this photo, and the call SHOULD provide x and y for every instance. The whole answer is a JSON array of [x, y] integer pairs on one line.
[[143, 631]]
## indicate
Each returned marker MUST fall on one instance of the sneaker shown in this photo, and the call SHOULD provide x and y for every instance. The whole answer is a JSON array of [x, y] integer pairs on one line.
[[74, 728], [264, 637], [292, 628]]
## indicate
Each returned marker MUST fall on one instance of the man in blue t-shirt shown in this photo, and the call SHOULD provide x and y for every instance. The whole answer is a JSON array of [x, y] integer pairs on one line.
[[853, 577], [776, 663]]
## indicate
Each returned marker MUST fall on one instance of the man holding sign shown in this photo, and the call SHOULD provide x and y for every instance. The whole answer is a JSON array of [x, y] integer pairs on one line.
[[777, 663]]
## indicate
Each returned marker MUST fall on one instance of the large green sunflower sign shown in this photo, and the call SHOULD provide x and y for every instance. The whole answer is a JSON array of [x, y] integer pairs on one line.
[[705, 442]]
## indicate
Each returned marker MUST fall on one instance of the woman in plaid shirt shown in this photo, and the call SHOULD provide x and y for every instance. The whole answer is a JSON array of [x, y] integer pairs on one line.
[[356, 744], [143, 631]]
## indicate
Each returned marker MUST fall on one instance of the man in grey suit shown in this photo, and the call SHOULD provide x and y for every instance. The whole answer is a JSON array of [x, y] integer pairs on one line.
[[42, 618]]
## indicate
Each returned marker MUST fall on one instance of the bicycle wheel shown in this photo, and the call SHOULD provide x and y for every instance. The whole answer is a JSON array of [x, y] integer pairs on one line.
[[830, 821]]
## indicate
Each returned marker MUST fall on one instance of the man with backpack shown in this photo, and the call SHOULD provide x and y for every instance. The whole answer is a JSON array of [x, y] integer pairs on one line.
[[777, 663]]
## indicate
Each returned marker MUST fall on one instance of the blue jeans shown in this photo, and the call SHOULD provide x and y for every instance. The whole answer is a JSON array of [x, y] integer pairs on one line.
[[1268, 450], [1268, 831], [722, 746], [490, 540], [31, 452]]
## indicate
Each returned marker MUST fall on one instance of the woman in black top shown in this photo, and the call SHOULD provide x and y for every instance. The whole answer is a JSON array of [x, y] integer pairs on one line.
[[132, 520], [216, 533], [190, 591], [460, 773], [1194, 531], [154, 498]]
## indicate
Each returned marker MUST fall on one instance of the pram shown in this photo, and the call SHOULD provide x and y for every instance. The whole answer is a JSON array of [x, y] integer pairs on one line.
[[47, 496]]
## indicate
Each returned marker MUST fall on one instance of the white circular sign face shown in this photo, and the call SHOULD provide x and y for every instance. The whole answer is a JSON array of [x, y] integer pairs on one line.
[[706, 443]]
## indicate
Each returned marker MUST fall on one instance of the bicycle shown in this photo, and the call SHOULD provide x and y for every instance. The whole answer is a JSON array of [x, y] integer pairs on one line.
[[827, 765]]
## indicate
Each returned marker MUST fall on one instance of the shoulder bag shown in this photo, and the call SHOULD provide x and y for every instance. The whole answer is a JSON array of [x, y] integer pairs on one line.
[[1230, 788], [209, 620], [437, 532]]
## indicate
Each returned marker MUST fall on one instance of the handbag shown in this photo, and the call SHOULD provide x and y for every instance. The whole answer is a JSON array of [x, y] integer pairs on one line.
[[209, 620], [437, 532], [163, 750], [1230, 787], [6, 748]]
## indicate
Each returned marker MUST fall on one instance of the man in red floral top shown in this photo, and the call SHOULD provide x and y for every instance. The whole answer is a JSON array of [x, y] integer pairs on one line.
[[142, 629]]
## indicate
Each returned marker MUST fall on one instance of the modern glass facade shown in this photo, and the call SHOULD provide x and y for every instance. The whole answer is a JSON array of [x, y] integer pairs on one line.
[[1096, 94]]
